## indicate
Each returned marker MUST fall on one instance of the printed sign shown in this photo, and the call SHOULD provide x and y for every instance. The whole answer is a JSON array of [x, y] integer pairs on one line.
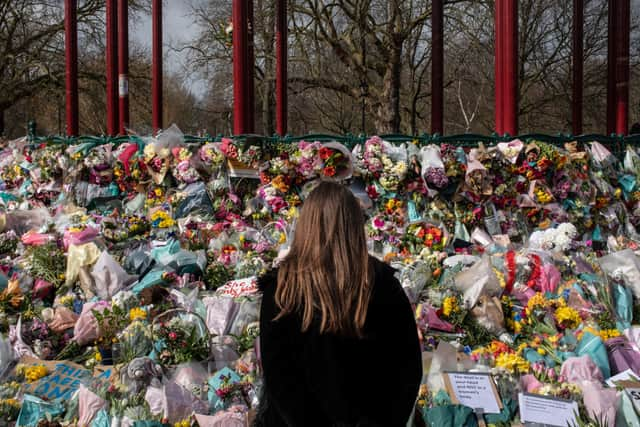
[[547, 410], [475, 390]]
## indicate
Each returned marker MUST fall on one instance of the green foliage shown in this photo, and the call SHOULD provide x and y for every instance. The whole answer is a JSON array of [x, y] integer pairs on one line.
[[47, 262]]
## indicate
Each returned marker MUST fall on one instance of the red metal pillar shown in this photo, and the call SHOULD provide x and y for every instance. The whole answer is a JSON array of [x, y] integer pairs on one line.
[[281, 66], [240, 66], [123, 65], [71, 56], [112, 67], [510, 120], [578, 61], [623, 25], [498, 78], [611, 68], [156, 66], [437, 67], [251, 87]]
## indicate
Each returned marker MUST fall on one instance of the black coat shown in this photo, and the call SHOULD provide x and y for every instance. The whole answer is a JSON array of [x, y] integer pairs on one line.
[[324, 380]]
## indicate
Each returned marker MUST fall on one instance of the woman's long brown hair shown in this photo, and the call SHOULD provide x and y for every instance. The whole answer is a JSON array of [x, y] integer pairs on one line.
[[327, 271]]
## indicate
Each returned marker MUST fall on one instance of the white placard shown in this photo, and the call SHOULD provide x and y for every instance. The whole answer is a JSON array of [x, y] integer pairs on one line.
[[547, 410], [627, 375], [474, 390]]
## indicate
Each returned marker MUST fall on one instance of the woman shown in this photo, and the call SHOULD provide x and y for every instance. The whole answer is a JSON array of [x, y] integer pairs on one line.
[[338, 339]]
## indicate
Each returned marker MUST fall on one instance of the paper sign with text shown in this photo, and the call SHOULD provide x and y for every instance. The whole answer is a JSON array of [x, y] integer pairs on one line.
[[475, 390], [627, 375], [64, 378], [632, 388], [547, 410]]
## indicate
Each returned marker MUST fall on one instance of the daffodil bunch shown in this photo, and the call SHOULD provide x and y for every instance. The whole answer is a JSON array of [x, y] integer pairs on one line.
[[512, 363], [567, 318], [32, 372], [161, 219]]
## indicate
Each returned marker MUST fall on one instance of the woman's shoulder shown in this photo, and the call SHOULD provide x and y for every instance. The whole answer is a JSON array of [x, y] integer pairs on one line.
[[268, 281], [382, 270], [385, 284]]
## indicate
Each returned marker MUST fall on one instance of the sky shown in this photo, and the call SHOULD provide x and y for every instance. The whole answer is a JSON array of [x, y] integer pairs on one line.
[[178, 27]]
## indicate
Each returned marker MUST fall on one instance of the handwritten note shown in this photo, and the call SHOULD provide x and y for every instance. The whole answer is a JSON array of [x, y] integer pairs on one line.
[[239, 288], [64, 379], [61, 383], [547, 410], [474, 390]]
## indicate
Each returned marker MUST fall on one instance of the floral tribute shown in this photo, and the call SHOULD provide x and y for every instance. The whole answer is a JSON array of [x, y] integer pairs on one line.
[[140, 259]]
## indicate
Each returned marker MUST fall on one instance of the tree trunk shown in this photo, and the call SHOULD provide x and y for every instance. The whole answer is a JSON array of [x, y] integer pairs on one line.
[[1, 122], [388, 117]]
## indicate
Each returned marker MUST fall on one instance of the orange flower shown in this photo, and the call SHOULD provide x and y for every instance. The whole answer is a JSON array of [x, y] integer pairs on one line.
[[13, 294]]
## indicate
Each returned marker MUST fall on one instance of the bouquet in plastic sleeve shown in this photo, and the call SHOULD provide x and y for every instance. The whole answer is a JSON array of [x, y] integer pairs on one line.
[[226, 388], [476, 183], [129, 169], [99, 165], [601, 157], [194, 199], [221, 311], [433, 170], [380, 161], [109, 277], [425, 236], [511, 150], [213, 161], [157, 160], [337, 162], [182, 167], [183, 337]]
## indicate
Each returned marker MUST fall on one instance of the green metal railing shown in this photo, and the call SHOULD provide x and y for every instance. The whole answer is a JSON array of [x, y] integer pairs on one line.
[[615, 143]]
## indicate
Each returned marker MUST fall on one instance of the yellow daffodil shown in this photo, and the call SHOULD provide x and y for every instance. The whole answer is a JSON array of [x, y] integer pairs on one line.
[[568, 317], [137, 313]]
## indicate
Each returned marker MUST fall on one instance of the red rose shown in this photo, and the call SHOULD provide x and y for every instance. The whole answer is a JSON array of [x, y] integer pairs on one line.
[[329, 171], [325, 153]]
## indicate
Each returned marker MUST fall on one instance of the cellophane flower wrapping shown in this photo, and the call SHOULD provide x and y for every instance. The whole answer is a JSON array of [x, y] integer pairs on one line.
[[433, 170]]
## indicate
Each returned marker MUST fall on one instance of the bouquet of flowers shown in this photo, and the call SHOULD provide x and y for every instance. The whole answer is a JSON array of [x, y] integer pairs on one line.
[[99, 165], [212, 156], [122, 228], [433, 170], [419, 236], [380, 161], [181, 339], [157, 161], [129, 169], [136, 339], [46, 262], [182, 168], [247, 154], [9, 405], [336, 161]]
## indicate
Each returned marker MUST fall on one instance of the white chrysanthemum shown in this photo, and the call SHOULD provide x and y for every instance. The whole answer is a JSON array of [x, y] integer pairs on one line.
[[568, 229]]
